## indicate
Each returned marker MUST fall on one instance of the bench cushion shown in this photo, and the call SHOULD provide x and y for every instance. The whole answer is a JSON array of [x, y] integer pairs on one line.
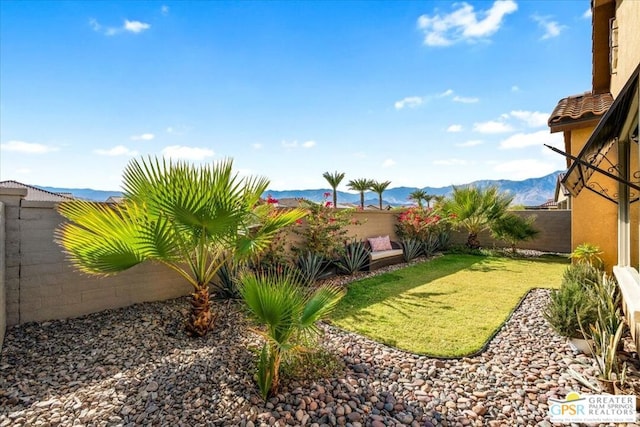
[[385, 254]]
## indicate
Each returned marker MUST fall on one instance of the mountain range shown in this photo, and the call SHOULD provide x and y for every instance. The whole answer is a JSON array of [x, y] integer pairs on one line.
[[528, 192]]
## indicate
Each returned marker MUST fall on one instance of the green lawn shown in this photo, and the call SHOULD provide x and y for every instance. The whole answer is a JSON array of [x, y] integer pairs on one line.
[[448, 306]]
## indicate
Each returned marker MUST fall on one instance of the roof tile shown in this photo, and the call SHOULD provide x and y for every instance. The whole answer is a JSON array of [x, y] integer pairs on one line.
[[580, 107]]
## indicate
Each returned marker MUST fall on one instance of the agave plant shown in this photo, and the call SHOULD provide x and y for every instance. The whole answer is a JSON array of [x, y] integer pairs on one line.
[[310, 265], [289, 313], [190, 219], [355, 258], [411, 248]]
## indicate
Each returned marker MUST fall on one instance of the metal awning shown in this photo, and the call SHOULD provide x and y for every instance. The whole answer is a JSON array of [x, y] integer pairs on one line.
[[620, 120]]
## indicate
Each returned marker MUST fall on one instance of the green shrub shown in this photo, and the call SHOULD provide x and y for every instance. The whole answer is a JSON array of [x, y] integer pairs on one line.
[[571, 309], [583, 273], [311, 265], [588, 253]]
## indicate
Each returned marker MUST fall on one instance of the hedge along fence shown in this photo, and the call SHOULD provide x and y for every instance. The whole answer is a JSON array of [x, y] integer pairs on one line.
[[40, 284]]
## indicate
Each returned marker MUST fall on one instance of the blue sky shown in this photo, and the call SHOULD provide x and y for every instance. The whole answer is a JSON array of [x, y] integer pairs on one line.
[[418, 93]]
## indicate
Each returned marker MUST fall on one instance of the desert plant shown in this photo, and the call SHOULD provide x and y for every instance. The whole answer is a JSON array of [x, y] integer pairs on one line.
[[355, 257], [411, 248], [225, 285], [604, 347], [288, 313], [360, 185], [378, 188], [571, 310], [324, 230], [311, 266], [431, 244], [587, 253], [334, 179], [583, 273], [476, 209], [514, 229], [191, 219]]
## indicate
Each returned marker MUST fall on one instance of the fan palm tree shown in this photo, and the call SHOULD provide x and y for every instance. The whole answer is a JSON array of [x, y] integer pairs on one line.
[[514, 229], [334, 180], [418, 196], [289, 313], [361, 185], [476, 209], [190, 219], [378, 188]]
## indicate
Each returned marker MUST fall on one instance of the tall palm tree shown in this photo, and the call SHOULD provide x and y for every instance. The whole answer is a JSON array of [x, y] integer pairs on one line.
[[418, 196], [289, 312], [379, 187], [476, 209], [361, 185], [428, 198], [190, 219], [334, 180]]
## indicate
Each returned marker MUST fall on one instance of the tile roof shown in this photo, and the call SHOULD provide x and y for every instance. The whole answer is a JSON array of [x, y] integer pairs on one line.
[[580, 107], [35, 193]]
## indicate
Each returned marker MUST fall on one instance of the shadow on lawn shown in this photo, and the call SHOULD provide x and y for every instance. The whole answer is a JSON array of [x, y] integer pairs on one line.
[[387, 287]]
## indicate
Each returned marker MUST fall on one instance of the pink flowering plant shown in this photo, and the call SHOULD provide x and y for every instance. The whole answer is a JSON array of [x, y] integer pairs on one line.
[[324, 229], [429, 226]]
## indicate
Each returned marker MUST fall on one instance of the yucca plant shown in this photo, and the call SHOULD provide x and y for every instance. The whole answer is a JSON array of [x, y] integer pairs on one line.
[[288, 313], [411, 248], [355, 257], [191, 219]]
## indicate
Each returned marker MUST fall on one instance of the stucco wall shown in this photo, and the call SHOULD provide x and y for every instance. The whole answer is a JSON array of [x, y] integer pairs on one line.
[[3, 307], [42, 285], [594, 218], [628, 18]]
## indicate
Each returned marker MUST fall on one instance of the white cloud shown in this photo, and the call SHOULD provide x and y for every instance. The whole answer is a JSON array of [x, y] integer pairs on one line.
[[534, 119], [410, 102], [128, 26], [118, 150], [551, 28], [388, 163], [454, 128], [256, 146], [515, 88], [164, 10], [471, 143], [492, 126], [525, 168], [308, 144], [465, 100], [447, 92], [143, 137], [187, 153], [522, 140], [464, 24], [450, 162], [587, 14], [27, 147], [135, 26]]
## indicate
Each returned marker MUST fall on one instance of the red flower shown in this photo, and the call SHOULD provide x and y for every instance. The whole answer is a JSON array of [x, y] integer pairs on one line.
[[327, 194], [298, 221], [327, 204], [271, 200]]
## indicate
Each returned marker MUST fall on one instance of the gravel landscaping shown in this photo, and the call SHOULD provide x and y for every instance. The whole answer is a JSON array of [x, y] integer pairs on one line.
[[135, 366]]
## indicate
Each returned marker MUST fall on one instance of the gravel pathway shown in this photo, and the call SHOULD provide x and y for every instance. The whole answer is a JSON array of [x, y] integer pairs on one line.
[[135, 366]]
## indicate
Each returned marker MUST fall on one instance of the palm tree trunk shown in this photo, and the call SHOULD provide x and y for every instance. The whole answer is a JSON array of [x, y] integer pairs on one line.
[[335, 198], [201, 318], [472, 241], [380, 200], [362, 200]]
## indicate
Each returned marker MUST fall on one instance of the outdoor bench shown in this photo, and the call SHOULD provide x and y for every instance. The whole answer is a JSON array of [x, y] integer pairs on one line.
[[383, 252]]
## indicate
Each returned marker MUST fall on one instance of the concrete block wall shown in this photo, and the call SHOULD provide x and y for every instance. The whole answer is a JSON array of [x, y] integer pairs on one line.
[[40, 284], [3, 305], [554, 236]]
